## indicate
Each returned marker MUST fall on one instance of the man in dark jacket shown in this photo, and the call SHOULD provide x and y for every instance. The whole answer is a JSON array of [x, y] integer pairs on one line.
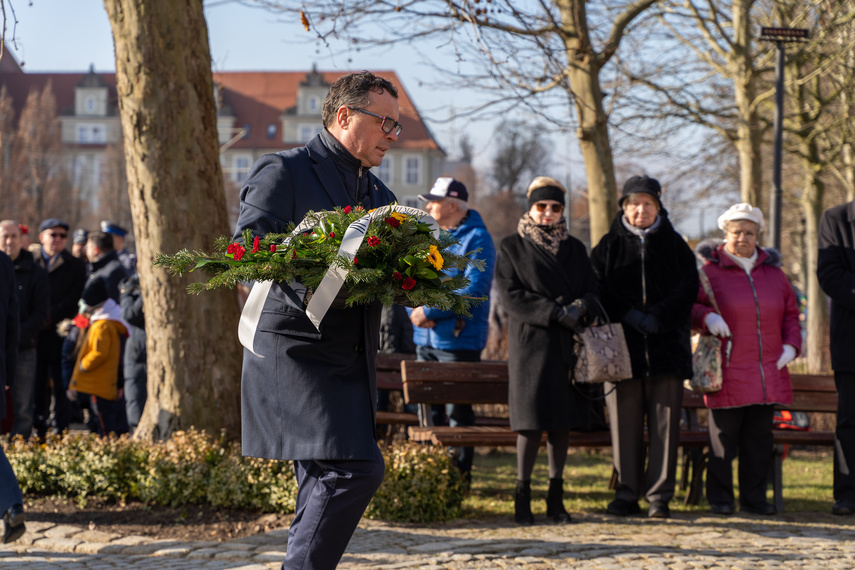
[[308, 394], [135, 361], [66, 277], [649, 282], [104, 264], [835, 270], [33, 305], [11, 500]]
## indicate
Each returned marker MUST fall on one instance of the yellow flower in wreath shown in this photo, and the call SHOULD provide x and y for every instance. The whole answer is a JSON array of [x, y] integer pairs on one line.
[[435, 258]]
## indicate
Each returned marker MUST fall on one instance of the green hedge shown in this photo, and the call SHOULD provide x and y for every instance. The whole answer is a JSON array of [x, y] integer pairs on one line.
[[421, 485]]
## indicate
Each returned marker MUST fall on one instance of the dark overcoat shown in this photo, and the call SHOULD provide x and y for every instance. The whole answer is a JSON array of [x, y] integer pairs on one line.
[[66, 277], [9, 323], [33, 298], [659, 276], [310, 394], [835, 270], [531, 283]]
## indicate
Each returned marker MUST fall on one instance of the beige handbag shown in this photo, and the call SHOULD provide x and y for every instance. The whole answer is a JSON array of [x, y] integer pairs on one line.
[[706, 357], [601, 353]]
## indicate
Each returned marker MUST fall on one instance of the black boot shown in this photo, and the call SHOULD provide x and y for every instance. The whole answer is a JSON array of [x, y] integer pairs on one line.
[[522, 503], [555, 502]]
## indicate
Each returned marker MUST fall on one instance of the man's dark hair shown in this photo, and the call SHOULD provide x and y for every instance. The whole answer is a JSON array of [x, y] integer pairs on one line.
[[352, 91], [103, 241]]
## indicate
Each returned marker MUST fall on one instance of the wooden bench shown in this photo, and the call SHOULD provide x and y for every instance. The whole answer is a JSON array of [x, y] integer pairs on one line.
[[811, 393], [428, 383], [389, 378]]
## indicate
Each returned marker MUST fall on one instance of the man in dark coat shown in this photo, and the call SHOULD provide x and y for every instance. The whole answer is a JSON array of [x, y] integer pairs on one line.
[[649, 282], [11, 500], [308, 395], [835, 270], [104, 264], [33, 307], [66, 277]]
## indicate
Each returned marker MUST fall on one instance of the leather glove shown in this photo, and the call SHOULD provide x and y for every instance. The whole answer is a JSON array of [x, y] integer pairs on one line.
[[567, 316], [635, 319], [716, 324], [649, 324], [787, 356]]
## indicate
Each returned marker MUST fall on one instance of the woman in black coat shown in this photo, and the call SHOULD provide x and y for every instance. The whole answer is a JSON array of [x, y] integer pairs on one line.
[[648, 281], [543, 276]]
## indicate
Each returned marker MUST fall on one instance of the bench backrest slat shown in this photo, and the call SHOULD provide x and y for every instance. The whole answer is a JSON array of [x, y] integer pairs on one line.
[[455, 382]]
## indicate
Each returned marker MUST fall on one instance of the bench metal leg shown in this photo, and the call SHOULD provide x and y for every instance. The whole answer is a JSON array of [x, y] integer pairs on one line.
[[778, 476]]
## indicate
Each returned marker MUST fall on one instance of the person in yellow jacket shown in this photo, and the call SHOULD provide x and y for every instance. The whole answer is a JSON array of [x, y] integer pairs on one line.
[[96, 371]]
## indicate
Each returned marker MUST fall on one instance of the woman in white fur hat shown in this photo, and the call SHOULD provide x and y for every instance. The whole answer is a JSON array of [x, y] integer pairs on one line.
[[760, 317]]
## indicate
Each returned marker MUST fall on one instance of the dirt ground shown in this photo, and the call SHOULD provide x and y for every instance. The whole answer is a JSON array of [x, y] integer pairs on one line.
[[187, 523]]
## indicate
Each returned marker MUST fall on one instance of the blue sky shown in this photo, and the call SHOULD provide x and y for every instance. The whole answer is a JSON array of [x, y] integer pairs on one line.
[[71, 35]]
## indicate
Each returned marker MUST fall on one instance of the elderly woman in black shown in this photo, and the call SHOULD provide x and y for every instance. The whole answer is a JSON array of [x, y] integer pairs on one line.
[[546, 284], [648, 281]]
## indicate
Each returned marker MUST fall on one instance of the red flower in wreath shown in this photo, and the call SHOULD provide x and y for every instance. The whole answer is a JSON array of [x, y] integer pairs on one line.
[[373, 241], [346, 209], [332, 234], [355, 260], [397, 275], [272, 248], [408, 283], [293, 254], [394, 222], [238, 252], [255, 245]]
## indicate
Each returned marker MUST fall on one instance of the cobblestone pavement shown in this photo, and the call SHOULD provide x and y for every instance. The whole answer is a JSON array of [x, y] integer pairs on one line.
[[593, 541]]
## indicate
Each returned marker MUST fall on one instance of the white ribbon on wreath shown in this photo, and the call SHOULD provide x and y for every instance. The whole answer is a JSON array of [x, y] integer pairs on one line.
[[334, 278]]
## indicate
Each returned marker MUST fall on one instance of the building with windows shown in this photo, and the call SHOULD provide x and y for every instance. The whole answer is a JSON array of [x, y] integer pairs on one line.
[[259, 112]]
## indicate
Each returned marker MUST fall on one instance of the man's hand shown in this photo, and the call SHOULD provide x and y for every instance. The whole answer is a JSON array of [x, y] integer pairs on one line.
[[71, 395], [418, 318]]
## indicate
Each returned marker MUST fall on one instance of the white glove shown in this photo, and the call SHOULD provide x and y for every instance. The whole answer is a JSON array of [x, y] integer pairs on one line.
[[716, 324], [787, 356]]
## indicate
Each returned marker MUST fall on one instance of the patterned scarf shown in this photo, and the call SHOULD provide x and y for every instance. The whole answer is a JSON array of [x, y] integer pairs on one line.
[[548, 237]]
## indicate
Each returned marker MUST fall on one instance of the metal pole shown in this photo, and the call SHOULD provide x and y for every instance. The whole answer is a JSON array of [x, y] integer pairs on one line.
[[775, 201]]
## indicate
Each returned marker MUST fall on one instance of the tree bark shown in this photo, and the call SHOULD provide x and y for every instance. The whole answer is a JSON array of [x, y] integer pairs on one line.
[[749, 136], [168, 114]]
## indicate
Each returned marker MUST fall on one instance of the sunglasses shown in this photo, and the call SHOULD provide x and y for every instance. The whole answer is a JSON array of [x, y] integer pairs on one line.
[[56, 235], [541, 207]]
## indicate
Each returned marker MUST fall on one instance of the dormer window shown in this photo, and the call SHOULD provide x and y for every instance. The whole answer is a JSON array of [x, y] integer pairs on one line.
[[313, 104], [90, 104], [271, 131]]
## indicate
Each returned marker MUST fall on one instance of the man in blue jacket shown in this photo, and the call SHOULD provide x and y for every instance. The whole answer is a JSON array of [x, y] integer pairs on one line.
[[441, 335]]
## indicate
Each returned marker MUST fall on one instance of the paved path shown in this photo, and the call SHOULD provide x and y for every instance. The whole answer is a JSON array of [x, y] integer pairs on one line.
[[593, 541]]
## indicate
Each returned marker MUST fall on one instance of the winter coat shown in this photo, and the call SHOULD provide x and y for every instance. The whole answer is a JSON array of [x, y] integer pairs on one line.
[[531, 283], [109, 270], [9, 324], [835, 270], [310, 394], [472, 235], [96, 371], [66, 277], [657, 276], [762, 315], [33, 298]]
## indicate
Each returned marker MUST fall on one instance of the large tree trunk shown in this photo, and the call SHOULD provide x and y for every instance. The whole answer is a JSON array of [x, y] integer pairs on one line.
[[166, 101], [812, 205], [583, 72], [749, 136]]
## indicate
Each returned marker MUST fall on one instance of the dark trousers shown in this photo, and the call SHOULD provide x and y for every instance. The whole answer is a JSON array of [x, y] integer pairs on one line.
[[104, 417], [331, 498], [656, 401], [45, 370], [458, 414], [844, 443], [10, 491], [746, 433]]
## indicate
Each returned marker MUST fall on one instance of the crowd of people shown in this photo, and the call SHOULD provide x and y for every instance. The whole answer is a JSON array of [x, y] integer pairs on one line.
[[308, 394]]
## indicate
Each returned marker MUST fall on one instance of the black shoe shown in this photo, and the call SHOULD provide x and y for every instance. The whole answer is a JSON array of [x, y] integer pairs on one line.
[[555, 502], [522, 504], [622, 508], [764, 509], [721, 508], [659, 510], [13, 523], [843, 508]]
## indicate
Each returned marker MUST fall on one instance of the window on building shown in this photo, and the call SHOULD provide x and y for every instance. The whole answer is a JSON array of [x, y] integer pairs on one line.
[[271, 131], [313, 104], [246, 129], [413, 202], [384, 171], [91, 104], [240, 167], [308, 131], [412, 170], [91, 133]]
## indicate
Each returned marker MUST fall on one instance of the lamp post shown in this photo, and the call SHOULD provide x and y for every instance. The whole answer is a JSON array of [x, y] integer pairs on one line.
[[780, 36]]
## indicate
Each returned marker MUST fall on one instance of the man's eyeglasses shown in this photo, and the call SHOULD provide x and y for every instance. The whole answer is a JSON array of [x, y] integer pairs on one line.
[[56, 235], [541, 207], [387, 125]]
